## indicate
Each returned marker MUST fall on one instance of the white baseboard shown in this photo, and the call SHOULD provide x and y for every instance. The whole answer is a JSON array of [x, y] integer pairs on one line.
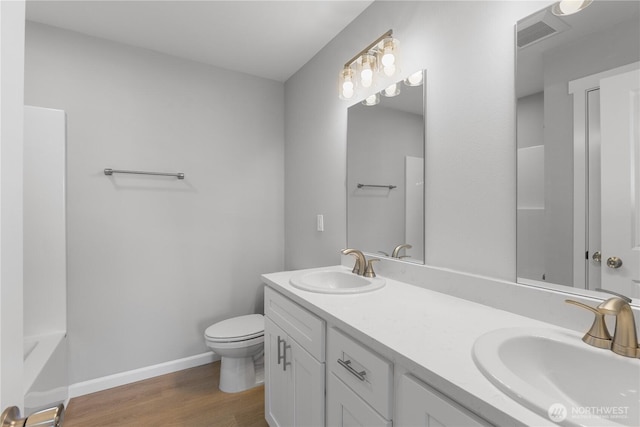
[[123, 378]]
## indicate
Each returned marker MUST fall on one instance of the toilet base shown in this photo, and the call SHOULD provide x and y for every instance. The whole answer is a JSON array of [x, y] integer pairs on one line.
[[240, 373]]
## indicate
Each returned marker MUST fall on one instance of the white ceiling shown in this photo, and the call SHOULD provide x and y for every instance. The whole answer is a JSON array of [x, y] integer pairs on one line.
[[270, 39]]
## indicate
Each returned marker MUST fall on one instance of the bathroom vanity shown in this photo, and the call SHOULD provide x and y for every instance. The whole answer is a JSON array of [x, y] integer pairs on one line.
[[399, 355]]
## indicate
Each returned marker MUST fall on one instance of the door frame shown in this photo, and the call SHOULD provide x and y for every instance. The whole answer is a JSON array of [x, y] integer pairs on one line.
[[12, 26]]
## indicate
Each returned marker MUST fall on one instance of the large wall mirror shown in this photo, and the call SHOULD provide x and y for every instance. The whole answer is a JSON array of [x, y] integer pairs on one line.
[[578, 151], [385, 172]]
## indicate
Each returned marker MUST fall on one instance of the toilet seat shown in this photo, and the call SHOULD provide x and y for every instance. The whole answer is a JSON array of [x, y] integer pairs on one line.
[[236, 329]]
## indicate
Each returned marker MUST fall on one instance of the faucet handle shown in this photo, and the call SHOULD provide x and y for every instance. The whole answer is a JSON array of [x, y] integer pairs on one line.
[[397, 249], [358, 267], [368, 272], [598, 335], [626, 298]]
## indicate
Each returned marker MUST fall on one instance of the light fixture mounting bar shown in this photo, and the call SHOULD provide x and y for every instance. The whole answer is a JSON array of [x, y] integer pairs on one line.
[[368, 48]]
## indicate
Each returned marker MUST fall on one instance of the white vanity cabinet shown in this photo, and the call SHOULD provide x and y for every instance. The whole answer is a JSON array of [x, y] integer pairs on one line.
[[419, 405], [294, 364], [365, 385]]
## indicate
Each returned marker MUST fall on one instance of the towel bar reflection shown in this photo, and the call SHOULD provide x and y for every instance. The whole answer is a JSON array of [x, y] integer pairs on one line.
[[390, 187], [178, 175]]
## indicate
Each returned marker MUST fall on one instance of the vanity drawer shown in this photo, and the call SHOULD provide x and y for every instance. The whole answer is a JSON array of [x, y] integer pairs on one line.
[[345, 408], [307, 329], [368, 374]]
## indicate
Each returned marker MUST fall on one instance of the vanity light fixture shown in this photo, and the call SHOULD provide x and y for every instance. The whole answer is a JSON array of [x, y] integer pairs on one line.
[[381, 56], [569, 7]]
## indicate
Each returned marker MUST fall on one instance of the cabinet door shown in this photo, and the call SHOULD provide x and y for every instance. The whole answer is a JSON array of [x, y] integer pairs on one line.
[[420, 405], [307, 385], [346, 409], [294, 382], [277, 380]]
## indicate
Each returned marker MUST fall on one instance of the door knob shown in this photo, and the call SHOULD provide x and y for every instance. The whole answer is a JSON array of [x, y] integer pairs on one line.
[[52, 417], [614, 262], [597, 256]]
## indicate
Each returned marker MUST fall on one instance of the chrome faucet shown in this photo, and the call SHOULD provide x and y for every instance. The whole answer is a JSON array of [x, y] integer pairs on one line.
[[361, 262], [397, 249], [625, 339]]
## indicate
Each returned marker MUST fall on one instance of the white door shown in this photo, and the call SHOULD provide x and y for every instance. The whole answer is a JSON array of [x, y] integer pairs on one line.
[[620, 130]]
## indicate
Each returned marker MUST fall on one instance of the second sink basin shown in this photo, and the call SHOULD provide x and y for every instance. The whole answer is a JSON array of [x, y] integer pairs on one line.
[[563, 379], [336, 280]]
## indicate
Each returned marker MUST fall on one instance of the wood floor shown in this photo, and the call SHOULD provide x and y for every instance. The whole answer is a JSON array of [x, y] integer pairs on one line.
[[185, 398]]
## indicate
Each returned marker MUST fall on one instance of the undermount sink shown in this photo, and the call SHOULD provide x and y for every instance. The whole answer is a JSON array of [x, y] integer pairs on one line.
[[335, 281], [554, 373]]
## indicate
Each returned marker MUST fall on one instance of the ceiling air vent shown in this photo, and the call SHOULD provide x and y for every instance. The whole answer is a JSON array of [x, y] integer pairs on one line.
[[539, 27]]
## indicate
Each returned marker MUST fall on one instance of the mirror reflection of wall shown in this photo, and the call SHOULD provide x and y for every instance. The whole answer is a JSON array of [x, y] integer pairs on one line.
[[558, 77], [385, 155]]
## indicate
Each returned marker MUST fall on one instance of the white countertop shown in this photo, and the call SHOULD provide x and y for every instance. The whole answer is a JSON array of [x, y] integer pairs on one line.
[[429, 333]]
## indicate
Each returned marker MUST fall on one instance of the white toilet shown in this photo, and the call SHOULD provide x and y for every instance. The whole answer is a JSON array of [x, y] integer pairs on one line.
[[239, 341]]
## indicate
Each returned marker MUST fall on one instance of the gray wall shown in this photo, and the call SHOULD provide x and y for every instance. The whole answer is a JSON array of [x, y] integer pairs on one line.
[[154, 261], [467, 49]]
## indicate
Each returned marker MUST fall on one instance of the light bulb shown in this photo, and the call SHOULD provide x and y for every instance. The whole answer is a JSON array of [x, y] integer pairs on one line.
[[389, 70], [366, 74], [371, 100], [347, 89], [388, 53], [388, 59], [346, 85], [391, 90], [414, 79], [569, 7], [366, 67]]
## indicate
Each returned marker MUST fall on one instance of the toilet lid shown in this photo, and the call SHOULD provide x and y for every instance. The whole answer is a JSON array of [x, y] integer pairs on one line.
[[237, 328]]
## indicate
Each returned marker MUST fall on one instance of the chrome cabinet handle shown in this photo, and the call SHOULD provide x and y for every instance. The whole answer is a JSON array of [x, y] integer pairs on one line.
[[347, 365], [282, 356], [614, 262], [597, 256]]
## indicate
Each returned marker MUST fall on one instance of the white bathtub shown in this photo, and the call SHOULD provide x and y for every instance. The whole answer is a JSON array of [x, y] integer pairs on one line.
[[45, 371]]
